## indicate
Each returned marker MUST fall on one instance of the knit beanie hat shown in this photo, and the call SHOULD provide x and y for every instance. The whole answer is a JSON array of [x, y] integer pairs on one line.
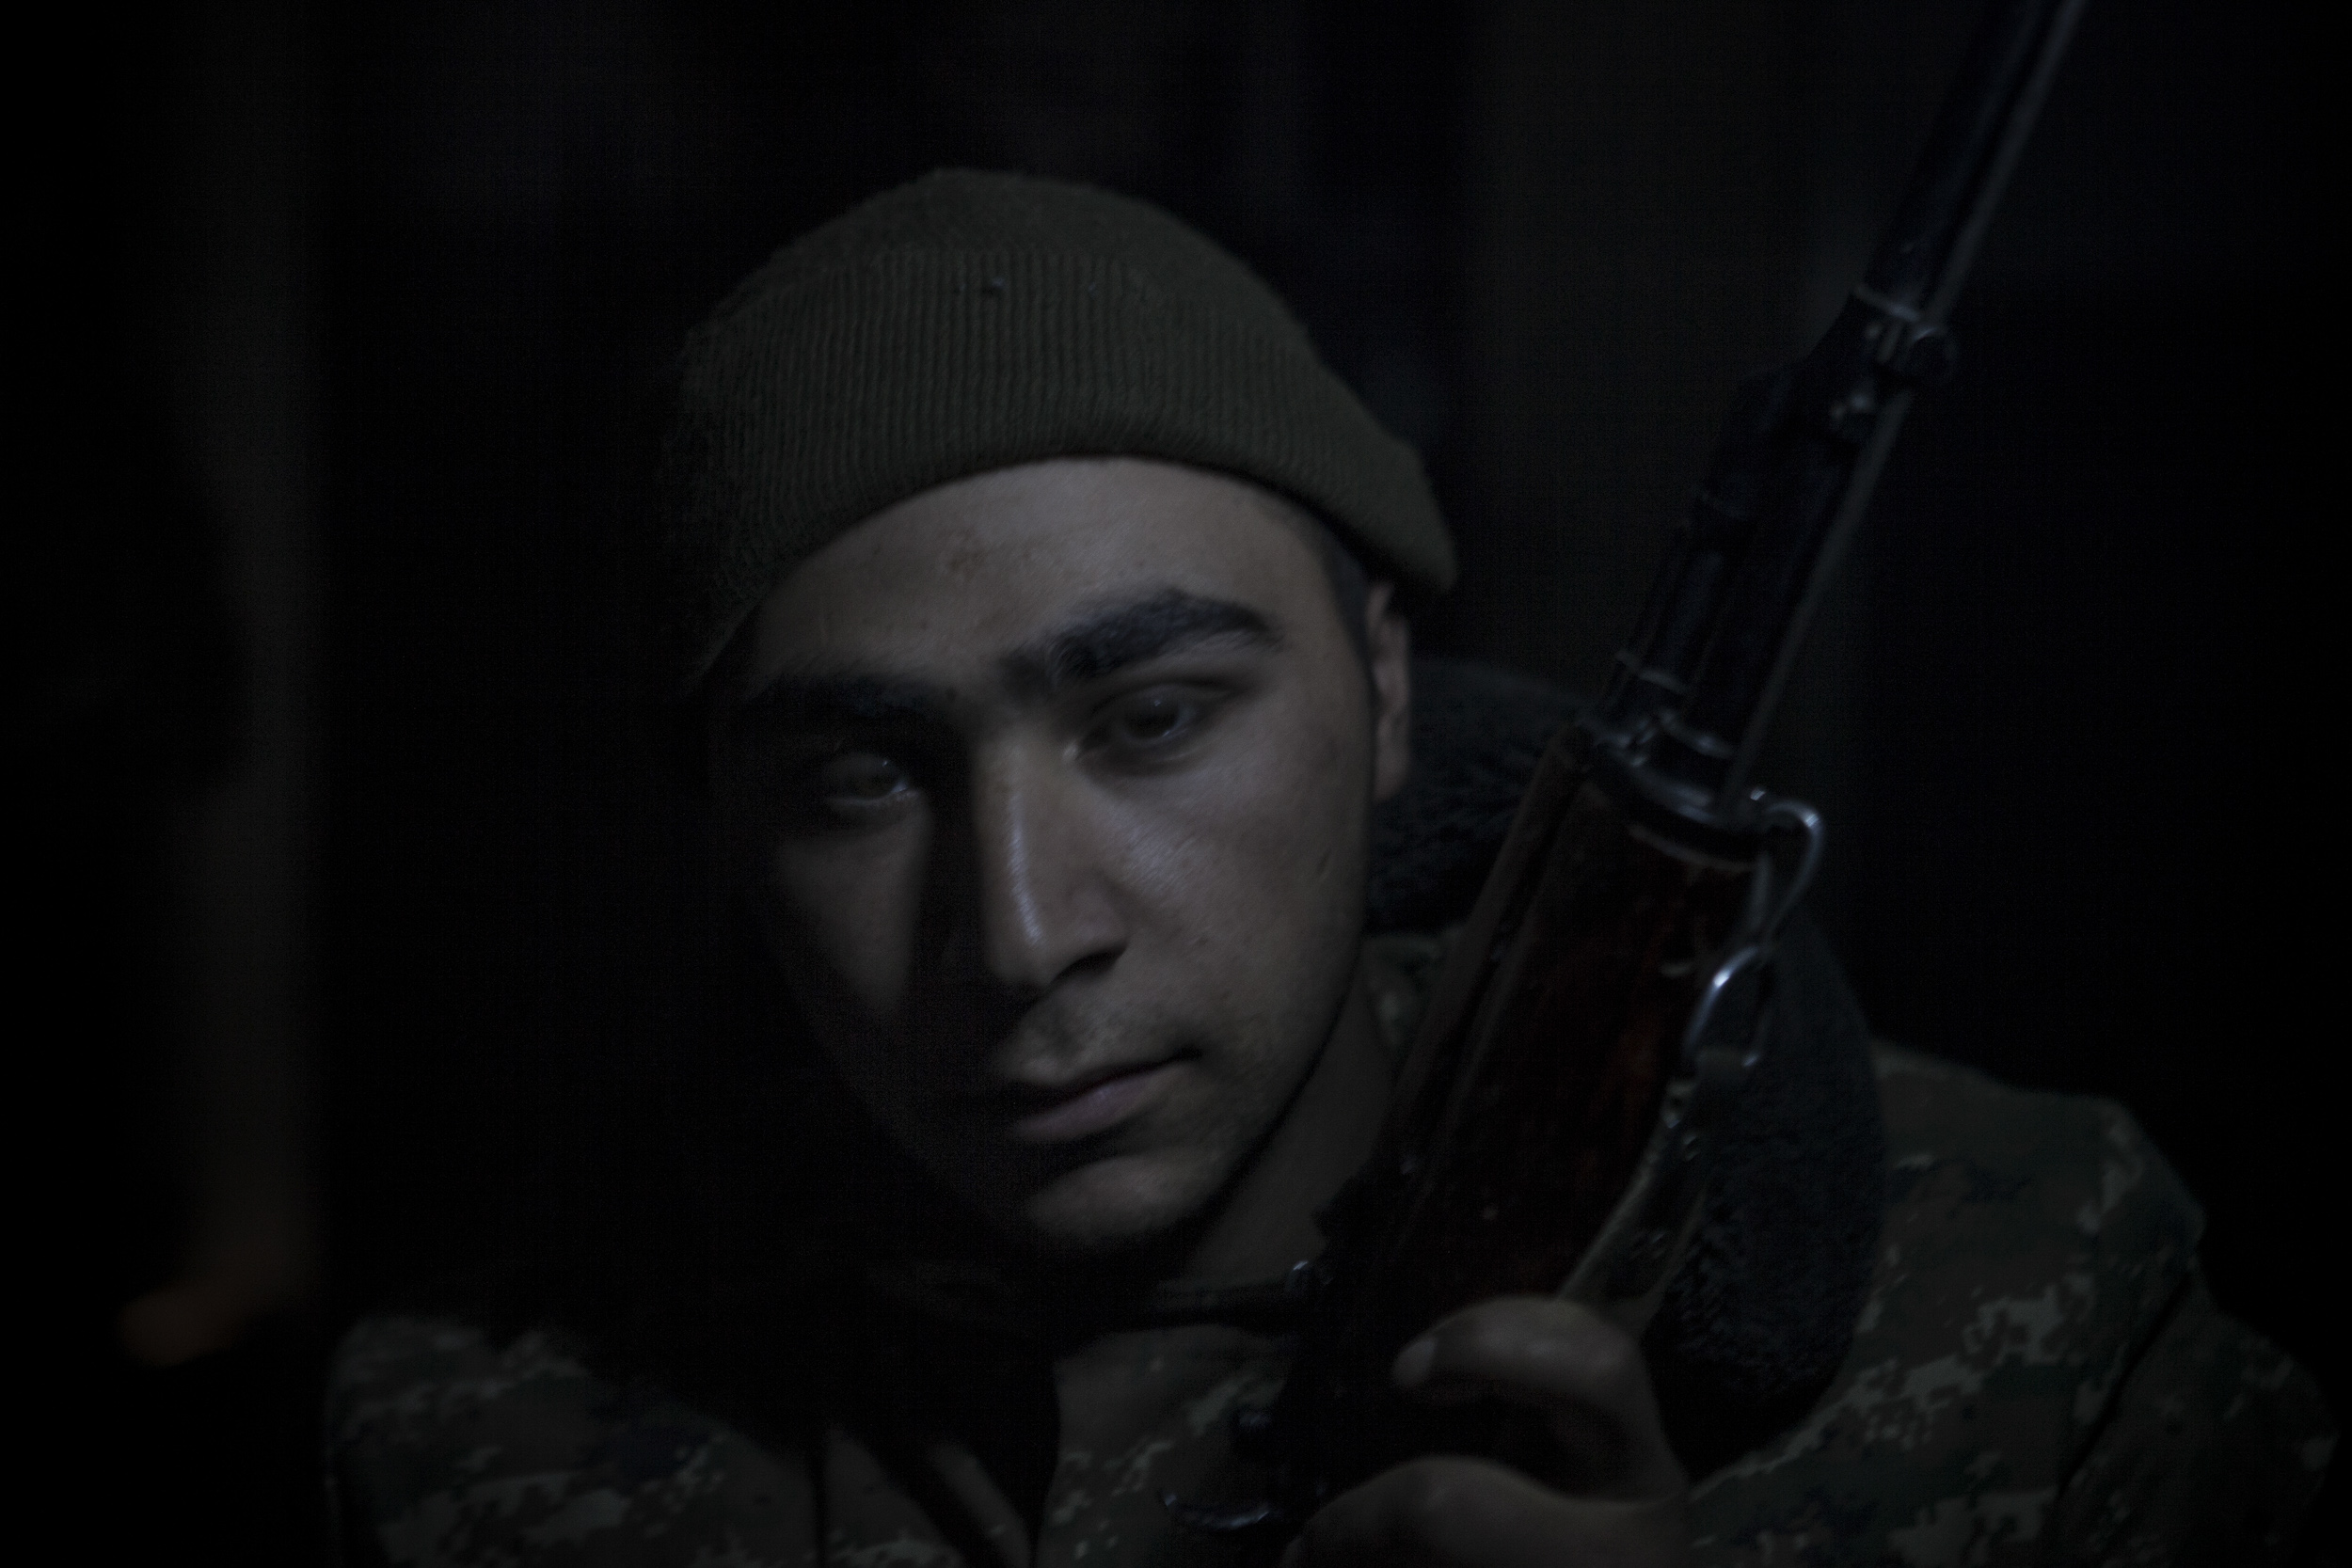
[[969, 322]]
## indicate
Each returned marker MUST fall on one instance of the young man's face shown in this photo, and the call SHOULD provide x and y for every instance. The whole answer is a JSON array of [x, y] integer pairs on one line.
[[1058, 780]]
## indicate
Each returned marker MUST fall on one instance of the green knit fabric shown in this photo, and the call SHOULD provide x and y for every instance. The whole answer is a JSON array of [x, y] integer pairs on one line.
[[969, 322]]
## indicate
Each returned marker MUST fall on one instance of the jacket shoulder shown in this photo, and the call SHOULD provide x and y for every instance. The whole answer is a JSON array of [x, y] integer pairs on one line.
[[2033, 1243], [445, 1446], [2214, 1451]]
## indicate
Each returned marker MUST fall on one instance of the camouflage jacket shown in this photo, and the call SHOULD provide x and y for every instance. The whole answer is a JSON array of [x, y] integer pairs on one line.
[[2037, 1374]]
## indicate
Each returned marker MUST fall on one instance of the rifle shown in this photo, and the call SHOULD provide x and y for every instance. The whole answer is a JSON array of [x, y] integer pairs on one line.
[[1599, 1013]]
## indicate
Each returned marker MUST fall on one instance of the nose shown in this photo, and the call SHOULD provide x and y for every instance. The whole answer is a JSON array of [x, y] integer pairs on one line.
[[1046, 894]]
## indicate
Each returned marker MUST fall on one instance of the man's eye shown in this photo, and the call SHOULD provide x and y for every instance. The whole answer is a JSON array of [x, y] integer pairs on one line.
[[858, 781], [1149, 721]]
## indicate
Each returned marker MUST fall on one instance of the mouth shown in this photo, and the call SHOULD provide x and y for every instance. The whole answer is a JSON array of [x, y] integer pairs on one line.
[[1086, 1107]]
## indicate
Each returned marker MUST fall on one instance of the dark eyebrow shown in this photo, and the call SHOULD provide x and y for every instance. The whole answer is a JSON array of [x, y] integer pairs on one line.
[[1132, 633]]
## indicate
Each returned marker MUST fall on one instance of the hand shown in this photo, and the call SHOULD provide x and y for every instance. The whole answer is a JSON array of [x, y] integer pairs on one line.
[[1621, 1496]]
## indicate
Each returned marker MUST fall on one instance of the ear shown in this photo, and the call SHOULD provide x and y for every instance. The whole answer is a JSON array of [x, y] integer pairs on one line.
[[1388, 640]]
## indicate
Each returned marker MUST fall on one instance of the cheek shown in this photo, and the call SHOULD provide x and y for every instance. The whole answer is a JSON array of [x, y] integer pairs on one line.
[[1264, 853], [849, 908]]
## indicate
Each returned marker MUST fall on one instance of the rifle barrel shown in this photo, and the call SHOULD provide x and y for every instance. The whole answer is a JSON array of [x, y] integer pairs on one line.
[[1802, 451]]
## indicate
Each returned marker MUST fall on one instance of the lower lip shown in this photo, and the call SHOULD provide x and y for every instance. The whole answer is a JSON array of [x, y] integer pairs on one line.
[[1095, 1110]]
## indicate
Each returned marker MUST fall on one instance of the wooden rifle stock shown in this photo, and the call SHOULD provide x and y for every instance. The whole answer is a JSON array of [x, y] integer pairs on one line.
[[1596, 1014], [1557, 1076]]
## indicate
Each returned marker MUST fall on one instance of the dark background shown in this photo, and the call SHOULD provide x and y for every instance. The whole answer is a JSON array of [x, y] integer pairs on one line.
[[357, 892]]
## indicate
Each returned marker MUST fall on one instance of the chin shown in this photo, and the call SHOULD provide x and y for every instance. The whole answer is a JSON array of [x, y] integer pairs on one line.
[[1120, 1204]]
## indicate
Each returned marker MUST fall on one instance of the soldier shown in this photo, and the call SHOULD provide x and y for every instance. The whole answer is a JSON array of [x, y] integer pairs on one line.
[[1044, 603]]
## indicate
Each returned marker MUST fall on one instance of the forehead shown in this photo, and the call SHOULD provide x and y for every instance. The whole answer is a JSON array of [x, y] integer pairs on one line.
[[979, 565]]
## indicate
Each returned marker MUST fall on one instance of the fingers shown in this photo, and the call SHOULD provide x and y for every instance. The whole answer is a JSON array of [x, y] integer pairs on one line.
[[1565, 1361], [1533, 1349], [1622, 1502], [1451, 1513]]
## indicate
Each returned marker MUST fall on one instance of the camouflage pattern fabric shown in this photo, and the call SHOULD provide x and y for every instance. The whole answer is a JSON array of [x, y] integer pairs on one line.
[[2039, 1376]]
